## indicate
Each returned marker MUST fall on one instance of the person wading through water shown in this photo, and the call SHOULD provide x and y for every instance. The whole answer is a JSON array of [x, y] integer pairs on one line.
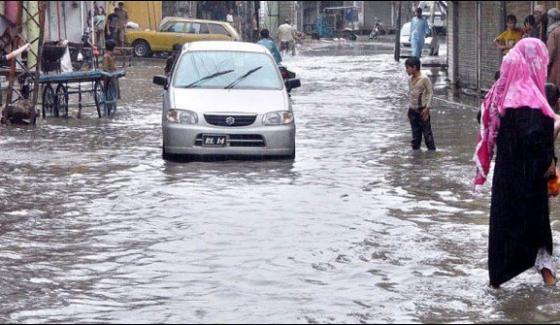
[[420, 99], [517, 118]]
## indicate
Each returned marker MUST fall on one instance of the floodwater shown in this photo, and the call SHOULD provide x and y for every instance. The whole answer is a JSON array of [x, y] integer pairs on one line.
[[96, 227]]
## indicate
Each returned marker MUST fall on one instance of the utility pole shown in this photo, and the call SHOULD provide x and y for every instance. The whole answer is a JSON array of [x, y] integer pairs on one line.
[[398, 33]]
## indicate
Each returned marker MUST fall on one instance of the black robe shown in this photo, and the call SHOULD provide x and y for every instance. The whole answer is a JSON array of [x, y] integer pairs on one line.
[[519, 213]]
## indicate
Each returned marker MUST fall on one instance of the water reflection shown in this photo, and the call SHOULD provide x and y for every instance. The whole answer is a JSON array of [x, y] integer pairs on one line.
[[241, 172]]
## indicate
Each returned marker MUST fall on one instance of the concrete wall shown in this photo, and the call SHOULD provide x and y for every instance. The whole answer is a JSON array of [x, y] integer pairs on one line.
[[380, 9], [269, 17], [147, 14]]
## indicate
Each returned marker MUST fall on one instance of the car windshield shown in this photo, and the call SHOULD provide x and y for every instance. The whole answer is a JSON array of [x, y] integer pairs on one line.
[[220, 69], [405, 29]]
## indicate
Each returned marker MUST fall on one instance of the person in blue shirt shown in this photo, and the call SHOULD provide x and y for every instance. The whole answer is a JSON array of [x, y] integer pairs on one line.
[[270, 45], [418, 30]]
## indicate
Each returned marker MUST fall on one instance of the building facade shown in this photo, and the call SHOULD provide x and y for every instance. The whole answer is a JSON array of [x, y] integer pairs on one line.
[[472, 26]]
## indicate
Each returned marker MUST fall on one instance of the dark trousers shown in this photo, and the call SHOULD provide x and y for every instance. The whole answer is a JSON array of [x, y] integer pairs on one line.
[[419, 127]]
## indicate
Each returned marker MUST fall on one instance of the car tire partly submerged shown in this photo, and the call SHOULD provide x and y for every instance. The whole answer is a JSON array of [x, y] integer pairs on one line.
[[167, 156], [142, 49]]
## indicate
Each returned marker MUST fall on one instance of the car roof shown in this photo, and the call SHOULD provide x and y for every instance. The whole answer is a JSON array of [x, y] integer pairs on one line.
[[224, 46], [171, 18]]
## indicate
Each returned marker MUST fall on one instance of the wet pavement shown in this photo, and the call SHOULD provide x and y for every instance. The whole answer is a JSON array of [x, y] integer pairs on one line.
[[96, 227]]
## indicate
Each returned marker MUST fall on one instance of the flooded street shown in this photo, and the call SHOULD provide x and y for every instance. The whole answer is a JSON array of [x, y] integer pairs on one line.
[[96, 227]]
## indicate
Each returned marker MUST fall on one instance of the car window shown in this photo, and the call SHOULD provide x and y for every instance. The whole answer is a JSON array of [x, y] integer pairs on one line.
[[177, 27], [193, 66], [218, 29], [204, 29], [193, 28]]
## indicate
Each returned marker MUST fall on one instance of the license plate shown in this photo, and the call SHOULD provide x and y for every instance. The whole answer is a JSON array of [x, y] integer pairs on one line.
[[214, 140]]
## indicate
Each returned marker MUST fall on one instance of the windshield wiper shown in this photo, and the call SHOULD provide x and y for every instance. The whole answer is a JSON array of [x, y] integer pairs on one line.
[[238, 80], [214, 75]]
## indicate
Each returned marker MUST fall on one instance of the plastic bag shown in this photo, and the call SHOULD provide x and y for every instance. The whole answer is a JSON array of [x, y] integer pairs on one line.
[[554, 185], [66, 61]]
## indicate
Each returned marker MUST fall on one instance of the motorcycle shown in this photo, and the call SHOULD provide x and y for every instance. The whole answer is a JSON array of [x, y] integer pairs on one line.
[[377, 30], [84, 52], [289, 78]]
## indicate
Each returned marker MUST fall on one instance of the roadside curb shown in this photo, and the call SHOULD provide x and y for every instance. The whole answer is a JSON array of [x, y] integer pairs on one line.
[[455, 103]]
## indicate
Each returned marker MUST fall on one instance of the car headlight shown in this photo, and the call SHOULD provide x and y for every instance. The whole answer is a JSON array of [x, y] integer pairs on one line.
[[278, 118], [181, 116]]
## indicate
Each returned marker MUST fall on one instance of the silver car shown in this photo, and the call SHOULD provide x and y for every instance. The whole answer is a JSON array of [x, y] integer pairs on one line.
[[431, 44], [227, 99]]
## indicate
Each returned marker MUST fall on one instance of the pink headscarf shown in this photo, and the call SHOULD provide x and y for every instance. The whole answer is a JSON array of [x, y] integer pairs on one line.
[[522, 82]]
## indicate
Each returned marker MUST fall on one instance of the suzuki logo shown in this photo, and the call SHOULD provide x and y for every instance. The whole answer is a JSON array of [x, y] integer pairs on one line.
[[230, 120]]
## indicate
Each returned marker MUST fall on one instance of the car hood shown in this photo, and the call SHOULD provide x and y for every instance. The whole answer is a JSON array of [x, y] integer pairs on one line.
[[230, 100], [405, 40]]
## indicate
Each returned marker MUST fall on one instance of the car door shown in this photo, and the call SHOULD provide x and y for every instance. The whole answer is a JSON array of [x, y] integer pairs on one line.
[[219, 32]]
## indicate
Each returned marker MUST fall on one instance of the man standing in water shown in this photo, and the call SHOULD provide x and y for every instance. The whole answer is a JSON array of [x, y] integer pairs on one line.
[[123, 21], [270, 45], [420, 102], [286, 36], [418, 29]]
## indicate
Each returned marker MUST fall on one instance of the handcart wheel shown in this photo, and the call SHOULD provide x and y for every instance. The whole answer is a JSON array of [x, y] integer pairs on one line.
[[49, 102], [99, 96], [111, 97], [62, 101]]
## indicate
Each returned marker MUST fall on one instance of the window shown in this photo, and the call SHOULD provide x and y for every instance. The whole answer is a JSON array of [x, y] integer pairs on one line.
[[176, 28], [193, 66], [204, 29], [193, 28], [218, 29]]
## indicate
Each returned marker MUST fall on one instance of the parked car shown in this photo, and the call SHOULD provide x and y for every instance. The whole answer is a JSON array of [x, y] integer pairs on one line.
[[431, 44], [227, 99], [176, 30]]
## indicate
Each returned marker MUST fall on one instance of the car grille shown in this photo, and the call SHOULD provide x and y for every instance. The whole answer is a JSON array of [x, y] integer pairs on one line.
[[222, 120], [238, 140]]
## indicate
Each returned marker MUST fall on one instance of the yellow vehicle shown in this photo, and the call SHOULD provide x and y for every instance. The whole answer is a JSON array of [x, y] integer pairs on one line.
[[177, 30]]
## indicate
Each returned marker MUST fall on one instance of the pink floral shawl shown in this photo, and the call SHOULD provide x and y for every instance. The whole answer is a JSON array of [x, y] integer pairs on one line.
[[522, 82]]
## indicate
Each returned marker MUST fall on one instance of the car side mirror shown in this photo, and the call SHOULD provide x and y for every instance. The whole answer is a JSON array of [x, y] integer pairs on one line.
[[293, 83], [161, 80]]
